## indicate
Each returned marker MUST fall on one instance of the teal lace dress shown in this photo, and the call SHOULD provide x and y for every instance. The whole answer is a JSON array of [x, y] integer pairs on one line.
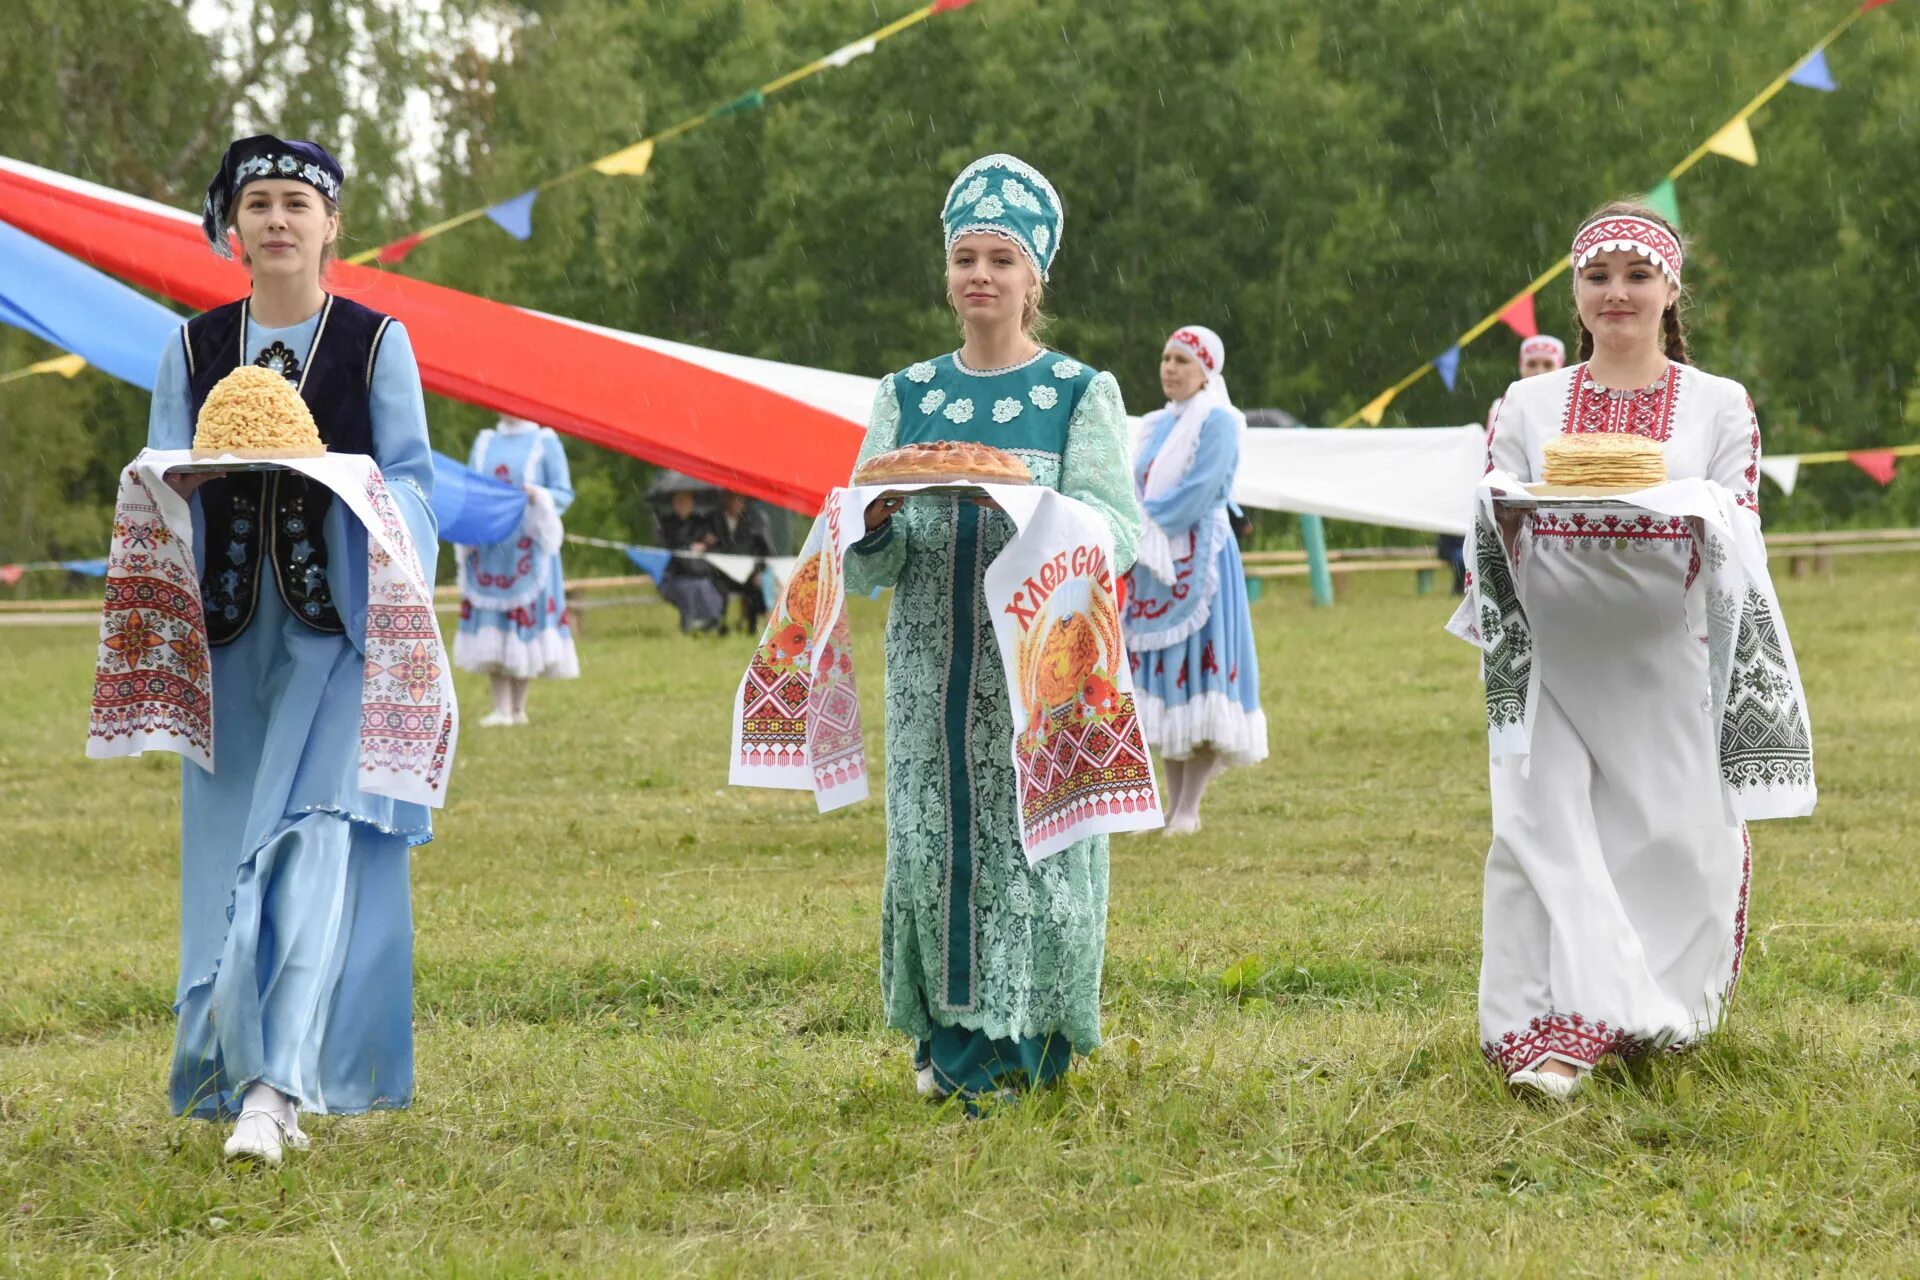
[[991, 966]]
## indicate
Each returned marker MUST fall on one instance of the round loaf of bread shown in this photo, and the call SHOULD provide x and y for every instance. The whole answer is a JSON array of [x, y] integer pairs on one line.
[[944, 462]]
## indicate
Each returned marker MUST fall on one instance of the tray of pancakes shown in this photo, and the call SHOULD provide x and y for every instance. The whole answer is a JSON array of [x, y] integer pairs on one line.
[[1600, 464], [253, 420], [953, 466]]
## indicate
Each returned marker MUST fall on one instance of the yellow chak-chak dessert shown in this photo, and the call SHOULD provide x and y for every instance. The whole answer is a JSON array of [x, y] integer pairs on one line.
[[1605, 460], [255, 413]]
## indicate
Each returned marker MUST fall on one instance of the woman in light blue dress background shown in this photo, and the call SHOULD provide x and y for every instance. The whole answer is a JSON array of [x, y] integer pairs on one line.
[[296, 931], [1189, 631], [514, 623]]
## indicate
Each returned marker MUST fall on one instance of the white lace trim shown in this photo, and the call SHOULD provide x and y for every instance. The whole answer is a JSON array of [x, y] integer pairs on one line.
[[1211, 720], [971, 372], [549, 655]]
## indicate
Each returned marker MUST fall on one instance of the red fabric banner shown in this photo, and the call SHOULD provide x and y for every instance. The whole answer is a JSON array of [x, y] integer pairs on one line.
[[611, 393]]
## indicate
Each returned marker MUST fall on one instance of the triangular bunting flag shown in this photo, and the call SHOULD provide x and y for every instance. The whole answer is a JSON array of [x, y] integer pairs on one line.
[[1735, 142], [649, 560], [1868, 6], [1665, 201], [1448, 363], [65, 366], [1878, 463], [389, 254], [1784, 472], [628, 162], [1814, 73], [1518, 316], [1377, 408], [11, 573], [752, 100], [948, 6], [515, 216], [842, 56]]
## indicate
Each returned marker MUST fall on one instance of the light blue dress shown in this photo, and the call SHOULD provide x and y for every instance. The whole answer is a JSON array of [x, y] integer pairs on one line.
[[513, 605], [1196, 676], [296, 931]]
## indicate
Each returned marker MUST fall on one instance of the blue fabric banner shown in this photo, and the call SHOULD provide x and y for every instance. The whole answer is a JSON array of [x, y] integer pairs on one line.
[[1814, 73], [67, 303]]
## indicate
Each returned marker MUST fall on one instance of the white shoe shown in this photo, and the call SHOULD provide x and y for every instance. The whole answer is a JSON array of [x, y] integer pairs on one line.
[[1183, 824], [1549, 1084], [519, 717], [260, 1136], [924, 1084], [494, 719]]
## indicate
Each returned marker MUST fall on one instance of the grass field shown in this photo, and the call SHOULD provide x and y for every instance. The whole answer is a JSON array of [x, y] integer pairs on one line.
[[649, 1037]]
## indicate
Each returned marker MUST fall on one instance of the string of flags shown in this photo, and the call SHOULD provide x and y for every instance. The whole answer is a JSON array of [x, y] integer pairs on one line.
[[1784, 469], [1732, 140], [514, 215]]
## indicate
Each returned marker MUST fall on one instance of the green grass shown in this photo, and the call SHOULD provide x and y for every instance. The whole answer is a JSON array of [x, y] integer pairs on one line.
[[650, 1041]]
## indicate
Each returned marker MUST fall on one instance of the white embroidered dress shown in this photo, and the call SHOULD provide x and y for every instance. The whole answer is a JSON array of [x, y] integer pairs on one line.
[[1616, 885]]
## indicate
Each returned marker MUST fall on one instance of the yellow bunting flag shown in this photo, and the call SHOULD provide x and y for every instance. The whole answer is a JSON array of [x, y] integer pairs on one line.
[[1377, 407], [1735, 142], [65, 366], [628, 162]]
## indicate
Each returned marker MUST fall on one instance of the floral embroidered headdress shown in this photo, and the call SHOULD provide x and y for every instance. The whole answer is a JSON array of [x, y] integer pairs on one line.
[[264, 156], [1005, 196]]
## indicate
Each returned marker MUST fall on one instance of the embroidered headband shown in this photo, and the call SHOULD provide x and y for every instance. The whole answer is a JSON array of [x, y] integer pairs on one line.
[[1203, 344], [1544, 344], [264, 156], [1004, 196], [1625, 231]]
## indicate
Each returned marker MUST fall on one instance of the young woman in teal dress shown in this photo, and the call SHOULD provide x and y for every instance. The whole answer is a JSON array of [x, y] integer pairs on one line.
[[296, 933], [990, 965]]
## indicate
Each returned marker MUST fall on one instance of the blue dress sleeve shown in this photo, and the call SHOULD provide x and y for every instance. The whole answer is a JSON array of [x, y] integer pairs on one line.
[[1208, 482], [170, 419], [398, 408], [555, 477]]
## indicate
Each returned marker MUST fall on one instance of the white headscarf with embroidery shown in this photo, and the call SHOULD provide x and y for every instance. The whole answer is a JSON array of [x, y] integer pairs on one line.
[[1178, 450]]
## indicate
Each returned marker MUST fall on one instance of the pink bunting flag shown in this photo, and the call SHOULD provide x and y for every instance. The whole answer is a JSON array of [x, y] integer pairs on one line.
[[1519, 316], [1878, 463], [12, 573]]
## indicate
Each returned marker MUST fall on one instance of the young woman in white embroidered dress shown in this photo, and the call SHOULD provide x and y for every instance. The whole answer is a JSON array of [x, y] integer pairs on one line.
[[1616, 885]]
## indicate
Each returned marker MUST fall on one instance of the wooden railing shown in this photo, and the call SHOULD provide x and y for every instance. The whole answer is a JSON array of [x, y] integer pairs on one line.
[[1804, 553]]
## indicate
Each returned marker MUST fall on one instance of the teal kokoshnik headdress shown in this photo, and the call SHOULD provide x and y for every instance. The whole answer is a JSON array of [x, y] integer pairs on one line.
[[1005, 196]]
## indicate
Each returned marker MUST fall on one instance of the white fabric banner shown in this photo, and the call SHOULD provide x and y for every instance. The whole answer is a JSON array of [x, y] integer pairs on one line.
[[1404, 477]]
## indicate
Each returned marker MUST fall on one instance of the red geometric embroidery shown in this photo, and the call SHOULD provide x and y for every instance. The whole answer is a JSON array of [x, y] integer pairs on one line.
[[1585, 532], [1625, 231], [1740, 911], [1566, 1034], [1750, 496], [1647, 411]]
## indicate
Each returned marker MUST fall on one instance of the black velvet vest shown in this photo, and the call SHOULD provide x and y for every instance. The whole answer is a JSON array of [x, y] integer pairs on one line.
[[275, 518]]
